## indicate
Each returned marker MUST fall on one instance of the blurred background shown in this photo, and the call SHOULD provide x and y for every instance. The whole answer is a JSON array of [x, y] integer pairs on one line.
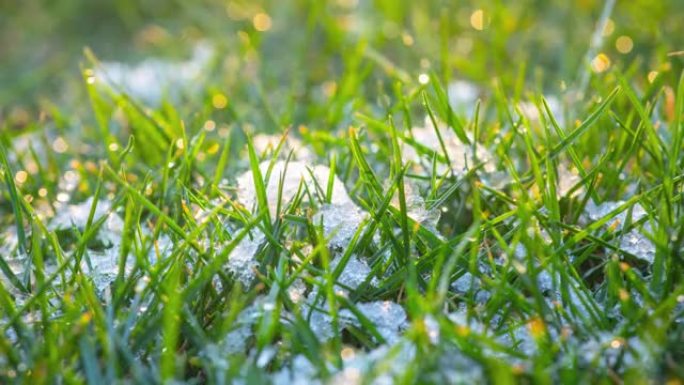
[[288, 47]]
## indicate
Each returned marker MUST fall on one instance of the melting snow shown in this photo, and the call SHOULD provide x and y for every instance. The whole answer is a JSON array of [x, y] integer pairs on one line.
[[461, 155], [354, 273], [266, 144], [340, 223], [77, 215], [153, 79], [463, 96], [531, 112], [315, 178], [634, 241], [416, 208], [241, 261]]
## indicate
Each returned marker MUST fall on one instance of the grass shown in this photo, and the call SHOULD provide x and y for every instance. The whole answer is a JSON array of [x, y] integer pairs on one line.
[[469, 221]]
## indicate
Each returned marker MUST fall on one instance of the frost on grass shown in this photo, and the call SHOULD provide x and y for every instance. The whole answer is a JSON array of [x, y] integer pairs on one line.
[[154, 79], [634, 242]]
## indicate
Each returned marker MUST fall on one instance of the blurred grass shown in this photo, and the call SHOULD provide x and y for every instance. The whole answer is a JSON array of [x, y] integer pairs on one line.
[[41, 42]]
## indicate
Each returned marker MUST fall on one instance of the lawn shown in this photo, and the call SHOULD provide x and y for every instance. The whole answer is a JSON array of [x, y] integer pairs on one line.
[[342, 192]]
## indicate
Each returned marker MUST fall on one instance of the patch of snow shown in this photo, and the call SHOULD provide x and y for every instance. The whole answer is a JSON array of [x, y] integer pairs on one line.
[[241, 262], [354, 273], [461, 155], [266, 144], [153, 79], [294, 173]]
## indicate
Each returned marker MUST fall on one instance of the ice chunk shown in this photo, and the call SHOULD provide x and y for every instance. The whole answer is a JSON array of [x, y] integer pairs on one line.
[[465, 283], [300, 372], [416, 207], [315, 178], [340, 222], [634, 241], [388, 317], [104, 266], [461, 155], [638, 245], [355, 272], [241, 261], [596, 212]]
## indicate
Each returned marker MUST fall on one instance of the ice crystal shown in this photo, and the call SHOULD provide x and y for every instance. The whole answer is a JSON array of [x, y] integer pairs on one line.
[[293, 174], [354, 273], [340, 222], [634, 241], [241, 261]]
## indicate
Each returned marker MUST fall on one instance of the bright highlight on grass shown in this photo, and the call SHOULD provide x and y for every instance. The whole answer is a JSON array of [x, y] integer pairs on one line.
[[477, 20]]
